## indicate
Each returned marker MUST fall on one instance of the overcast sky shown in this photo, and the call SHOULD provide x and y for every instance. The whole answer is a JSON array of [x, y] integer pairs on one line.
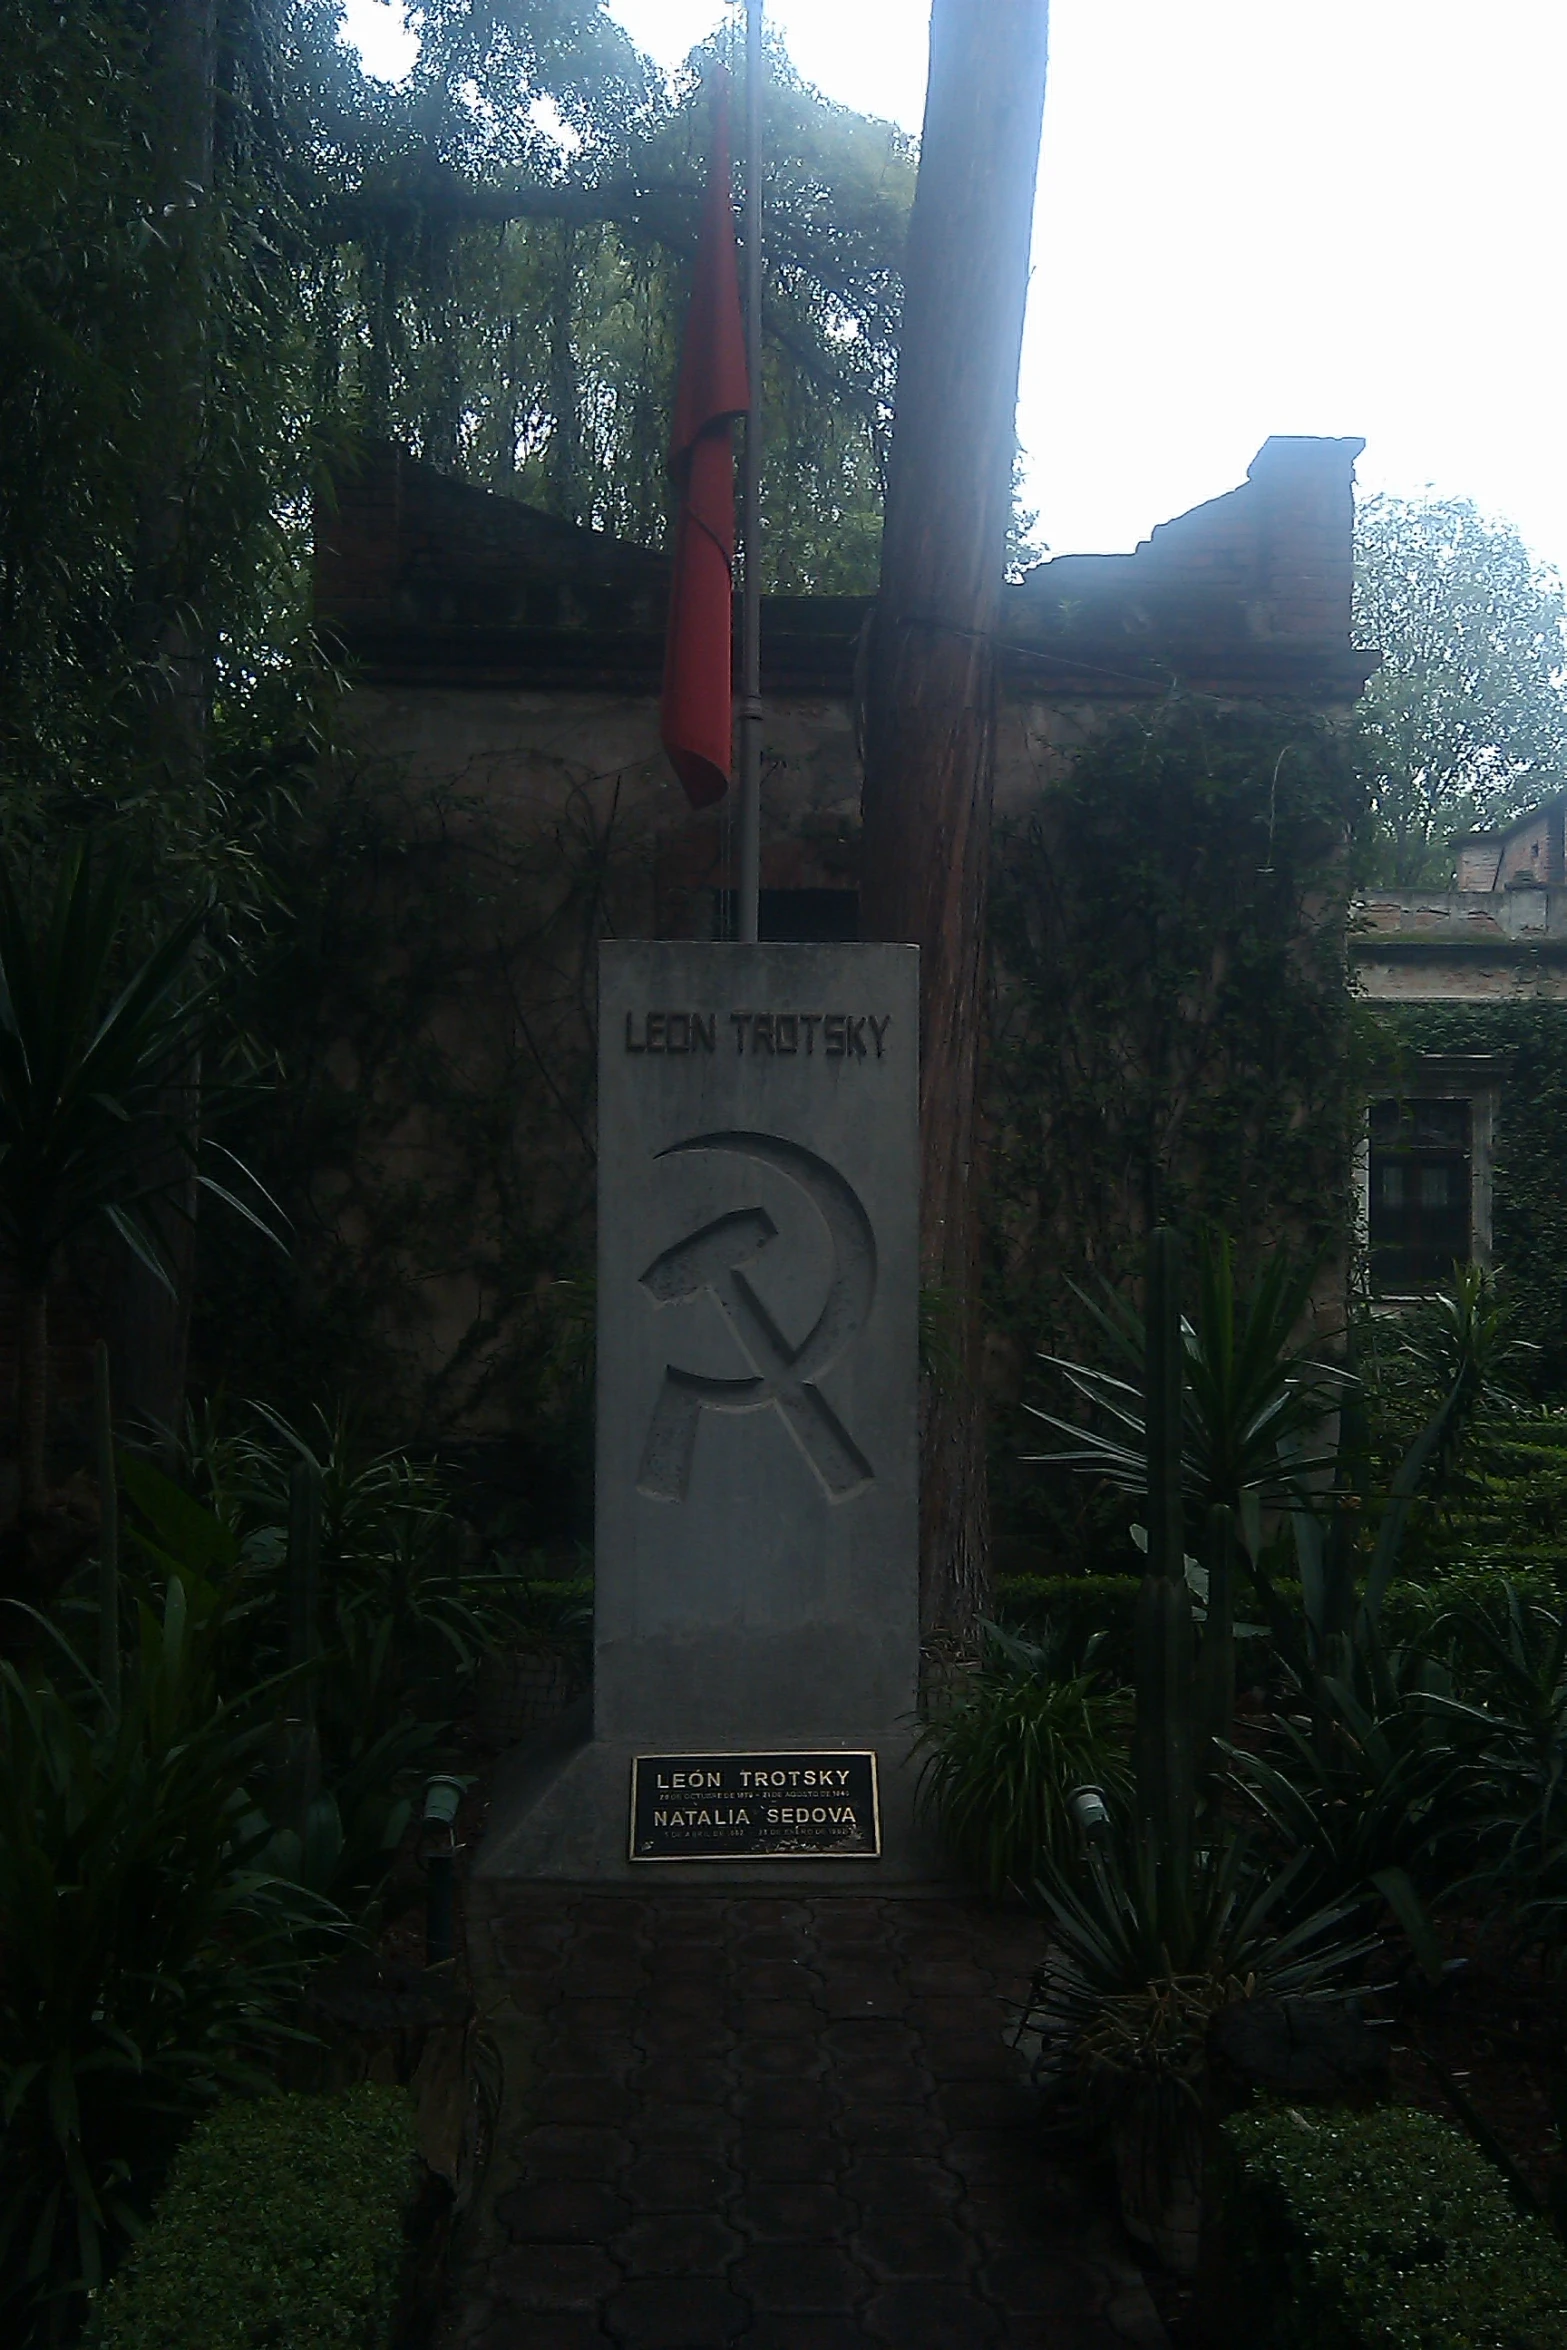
[[1254, 216]]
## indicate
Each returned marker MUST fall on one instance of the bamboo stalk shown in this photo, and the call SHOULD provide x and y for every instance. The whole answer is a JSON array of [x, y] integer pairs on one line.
[[304, 1571], [108, 1534], [1163, 1739], [1216, 1665], [32, 1400]]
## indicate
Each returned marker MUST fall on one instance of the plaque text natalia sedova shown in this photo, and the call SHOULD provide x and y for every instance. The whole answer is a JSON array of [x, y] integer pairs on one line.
[[788, 1806]]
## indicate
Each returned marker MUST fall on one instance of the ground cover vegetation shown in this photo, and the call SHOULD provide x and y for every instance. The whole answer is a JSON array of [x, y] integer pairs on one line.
[[1374, 1828], [222, 1803], [1387, 2231], [280, 2221], [225, 257]]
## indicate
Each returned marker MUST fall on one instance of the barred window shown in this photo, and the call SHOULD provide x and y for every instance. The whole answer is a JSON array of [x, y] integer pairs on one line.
[[1422, 1193]]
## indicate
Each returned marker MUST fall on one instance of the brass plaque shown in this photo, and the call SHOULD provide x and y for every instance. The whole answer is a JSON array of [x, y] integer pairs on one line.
[[814, 1805]]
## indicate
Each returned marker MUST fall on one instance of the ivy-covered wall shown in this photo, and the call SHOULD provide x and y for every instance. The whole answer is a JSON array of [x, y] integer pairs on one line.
[[1174, 1039], [429, 1005], [1173, 1036], [1529, 1206]]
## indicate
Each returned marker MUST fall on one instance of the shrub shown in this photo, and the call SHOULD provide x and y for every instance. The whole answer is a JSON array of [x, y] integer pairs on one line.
[[282, 2222], [1388, 2231], [1075, 1608], [1003, 1759], [148, 1964]]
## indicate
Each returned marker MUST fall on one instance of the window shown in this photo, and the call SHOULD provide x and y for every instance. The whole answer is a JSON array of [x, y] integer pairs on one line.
[[1421, 1205]]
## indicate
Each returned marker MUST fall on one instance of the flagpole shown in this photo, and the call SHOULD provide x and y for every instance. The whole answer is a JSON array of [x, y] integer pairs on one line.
[[749, 876]]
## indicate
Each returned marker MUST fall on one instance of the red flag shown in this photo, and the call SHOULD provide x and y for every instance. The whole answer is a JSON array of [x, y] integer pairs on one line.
[[695, 719]]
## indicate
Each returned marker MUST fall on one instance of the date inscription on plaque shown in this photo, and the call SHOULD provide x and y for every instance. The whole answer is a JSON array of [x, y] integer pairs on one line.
[[755, 1807]]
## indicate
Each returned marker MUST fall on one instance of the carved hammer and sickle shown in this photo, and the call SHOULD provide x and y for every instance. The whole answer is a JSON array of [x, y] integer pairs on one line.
[[710, 1262]]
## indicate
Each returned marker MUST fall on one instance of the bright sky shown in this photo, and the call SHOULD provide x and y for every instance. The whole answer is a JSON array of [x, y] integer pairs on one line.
[[1254, 216]]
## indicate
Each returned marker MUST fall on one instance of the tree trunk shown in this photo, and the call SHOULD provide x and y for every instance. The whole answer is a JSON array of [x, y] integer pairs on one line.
[[931, 686], [32, 1401], [168, 631]]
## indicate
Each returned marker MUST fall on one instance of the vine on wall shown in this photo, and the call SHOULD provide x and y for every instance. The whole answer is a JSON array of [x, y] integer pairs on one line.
[[1529, 1197], [430, 1005], [1174, 1037]]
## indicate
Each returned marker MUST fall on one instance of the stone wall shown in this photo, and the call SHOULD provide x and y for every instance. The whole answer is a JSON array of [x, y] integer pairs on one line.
[[1463, 946], [500, 803], [1527, 854]]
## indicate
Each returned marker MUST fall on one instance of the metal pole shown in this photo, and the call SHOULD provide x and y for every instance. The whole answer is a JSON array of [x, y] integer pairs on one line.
[[750, 858]]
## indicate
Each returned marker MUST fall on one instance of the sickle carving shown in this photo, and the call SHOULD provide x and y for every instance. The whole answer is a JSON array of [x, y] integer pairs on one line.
[[711, 1261]]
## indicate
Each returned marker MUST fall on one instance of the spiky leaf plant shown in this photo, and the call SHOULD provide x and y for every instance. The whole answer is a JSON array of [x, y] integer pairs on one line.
[[1146, 1950], [148, 1960], [1003, 1759], [1253, 1398], [89, 1062]]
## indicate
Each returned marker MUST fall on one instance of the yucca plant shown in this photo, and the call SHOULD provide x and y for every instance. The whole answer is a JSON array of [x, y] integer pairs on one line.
[[1147, 1948], [1512, 1712], [149, 1960], [1375, 1798], [89, 1063], [1126, 1920], [1257, 1433], [1002, 1760], [402, 1611], [336, 1829], [1253, 1398]]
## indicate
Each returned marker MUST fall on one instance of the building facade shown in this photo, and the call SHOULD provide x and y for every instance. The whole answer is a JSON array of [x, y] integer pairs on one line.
[[1462, 980], [503, 804]]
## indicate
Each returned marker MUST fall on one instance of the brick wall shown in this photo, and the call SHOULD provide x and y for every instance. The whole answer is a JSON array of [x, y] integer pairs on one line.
[[1530, 850]]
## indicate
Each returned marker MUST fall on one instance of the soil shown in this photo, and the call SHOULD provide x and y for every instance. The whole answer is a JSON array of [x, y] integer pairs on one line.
[[1490, 2051]]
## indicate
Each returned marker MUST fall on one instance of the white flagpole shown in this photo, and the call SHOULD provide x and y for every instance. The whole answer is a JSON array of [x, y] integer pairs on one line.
[[749, 876]]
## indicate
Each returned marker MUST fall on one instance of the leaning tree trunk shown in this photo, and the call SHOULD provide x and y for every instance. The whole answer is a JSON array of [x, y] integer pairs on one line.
[[930, 712]]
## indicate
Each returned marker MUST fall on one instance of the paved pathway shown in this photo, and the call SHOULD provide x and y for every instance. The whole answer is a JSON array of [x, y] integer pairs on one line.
[[782, 2124]]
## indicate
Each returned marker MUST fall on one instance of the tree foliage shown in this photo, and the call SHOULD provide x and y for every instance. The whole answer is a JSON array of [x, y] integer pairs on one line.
[[1466, 721], [135, 303], [505, 244], [487, 262]]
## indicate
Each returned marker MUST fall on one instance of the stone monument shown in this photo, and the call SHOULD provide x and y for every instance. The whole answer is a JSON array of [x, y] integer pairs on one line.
[[756, 1589]]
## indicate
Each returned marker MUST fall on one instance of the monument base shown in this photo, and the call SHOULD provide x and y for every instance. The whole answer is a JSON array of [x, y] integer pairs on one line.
[[561, 1814]]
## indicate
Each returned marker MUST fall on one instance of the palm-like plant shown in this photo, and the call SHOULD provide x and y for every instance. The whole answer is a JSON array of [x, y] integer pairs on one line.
[[151, 1958], [1377, 1800], [1253, 1400], [1126, 1919], [1257, 1414], [1148, 1946], [87, 1067], [1514, 1714]]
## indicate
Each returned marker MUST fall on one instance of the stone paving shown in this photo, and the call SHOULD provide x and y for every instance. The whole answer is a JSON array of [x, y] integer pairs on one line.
[[788, 2124]]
